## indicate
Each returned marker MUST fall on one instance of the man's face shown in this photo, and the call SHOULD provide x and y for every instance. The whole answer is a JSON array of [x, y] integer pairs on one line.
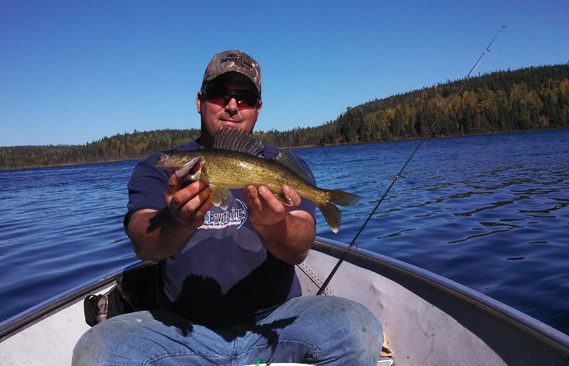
[[226, 108]]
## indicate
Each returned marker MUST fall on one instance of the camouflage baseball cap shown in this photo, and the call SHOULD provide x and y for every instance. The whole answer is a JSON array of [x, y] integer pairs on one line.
[[233, 60]]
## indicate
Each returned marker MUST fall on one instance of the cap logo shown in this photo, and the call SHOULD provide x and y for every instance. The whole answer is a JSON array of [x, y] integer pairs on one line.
[[237, 60]]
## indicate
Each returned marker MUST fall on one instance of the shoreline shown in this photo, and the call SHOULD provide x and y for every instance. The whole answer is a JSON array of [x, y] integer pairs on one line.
[[290, 147]]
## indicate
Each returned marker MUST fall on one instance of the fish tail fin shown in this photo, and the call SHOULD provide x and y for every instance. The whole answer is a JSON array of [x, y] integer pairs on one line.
[[343, 198], [332, 215]]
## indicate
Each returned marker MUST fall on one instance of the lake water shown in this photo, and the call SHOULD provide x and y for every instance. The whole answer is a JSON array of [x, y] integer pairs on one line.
[[490, 212]]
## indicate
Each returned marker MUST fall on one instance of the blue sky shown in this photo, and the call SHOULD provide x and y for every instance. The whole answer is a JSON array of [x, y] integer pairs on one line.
[[72, 72]]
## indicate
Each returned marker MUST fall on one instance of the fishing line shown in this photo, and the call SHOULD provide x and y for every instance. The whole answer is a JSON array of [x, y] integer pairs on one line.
[[395, 178]]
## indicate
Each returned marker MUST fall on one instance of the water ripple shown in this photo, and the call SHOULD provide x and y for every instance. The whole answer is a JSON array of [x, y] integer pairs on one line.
[[498, 203], [490, 212]]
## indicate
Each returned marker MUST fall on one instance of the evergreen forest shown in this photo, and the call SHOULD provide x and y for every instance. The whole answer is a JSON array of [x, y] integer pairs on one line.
[[505, 101]]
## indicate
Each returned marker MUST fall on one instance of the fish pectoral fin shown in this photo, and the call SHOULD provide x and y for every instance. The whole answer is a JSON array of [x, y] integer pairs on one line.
[[220, 196], [332, 215]]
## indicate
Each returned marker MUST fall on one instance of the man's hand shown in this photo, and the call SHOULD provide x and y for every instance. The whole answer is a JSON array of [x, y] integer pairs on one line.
[[187, 205], [157, 235], [286, 232], [265, 208]]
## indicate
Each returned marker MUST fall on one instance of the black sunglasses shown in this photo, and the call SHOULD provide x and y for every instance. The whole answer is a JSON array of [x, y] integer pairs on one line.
[[222, 96]]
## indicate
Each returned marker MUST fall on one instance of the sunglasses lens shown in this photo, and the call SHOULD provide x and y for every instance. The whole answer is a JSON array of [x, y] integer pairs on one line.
[[218, 100], [247, 100], [221, 97]]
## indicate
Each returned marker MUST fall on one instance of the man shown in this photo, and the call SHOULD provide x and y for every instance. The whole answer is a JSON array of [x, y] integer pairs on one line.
[[227, 288]]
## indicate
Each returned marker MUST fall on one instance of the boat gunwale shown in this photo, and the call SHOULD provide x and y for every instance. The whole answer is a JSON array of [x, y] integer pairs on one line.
[[512, 316]]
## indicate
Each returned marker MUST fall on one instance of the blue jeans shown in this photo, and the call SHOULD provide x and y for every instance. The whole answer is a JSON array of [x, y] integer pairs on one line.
[[320, 330]]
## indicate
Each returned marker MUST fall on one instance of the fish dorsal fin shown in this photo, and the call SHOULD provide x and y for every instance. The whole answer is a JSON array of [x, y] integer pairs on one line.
[[236, 140], [287, 158]]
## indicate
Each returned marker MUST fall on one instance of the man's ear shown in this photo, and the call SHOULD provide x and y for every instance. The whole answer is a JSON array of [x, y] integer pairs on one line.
[[199, 101]]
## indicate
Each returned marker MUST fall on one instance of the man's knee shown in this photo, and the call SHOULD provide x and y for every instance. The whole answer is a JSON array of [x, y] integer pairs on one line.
[[351, 332], [91, 347], [360, 323], [106, 343]]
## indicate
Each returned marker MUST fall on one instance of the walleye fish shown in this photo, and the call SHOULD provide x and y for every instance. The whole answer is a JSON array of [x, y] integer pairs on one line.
[[233, 162]]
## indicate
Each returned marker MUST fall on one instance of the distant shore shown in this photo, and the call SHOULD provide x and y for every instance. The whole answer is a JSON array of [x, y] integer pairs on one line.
[[294, 147]]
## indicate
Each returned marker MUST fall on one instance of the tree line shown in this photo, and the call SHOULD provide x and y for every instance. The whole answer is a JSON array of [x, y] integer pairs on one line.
[[127, 146], [504, 101]]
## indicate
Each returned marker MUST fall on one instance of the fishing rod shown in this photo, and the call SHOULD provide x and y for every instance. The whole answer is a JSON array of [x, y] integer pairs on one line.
[[396, 177]]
